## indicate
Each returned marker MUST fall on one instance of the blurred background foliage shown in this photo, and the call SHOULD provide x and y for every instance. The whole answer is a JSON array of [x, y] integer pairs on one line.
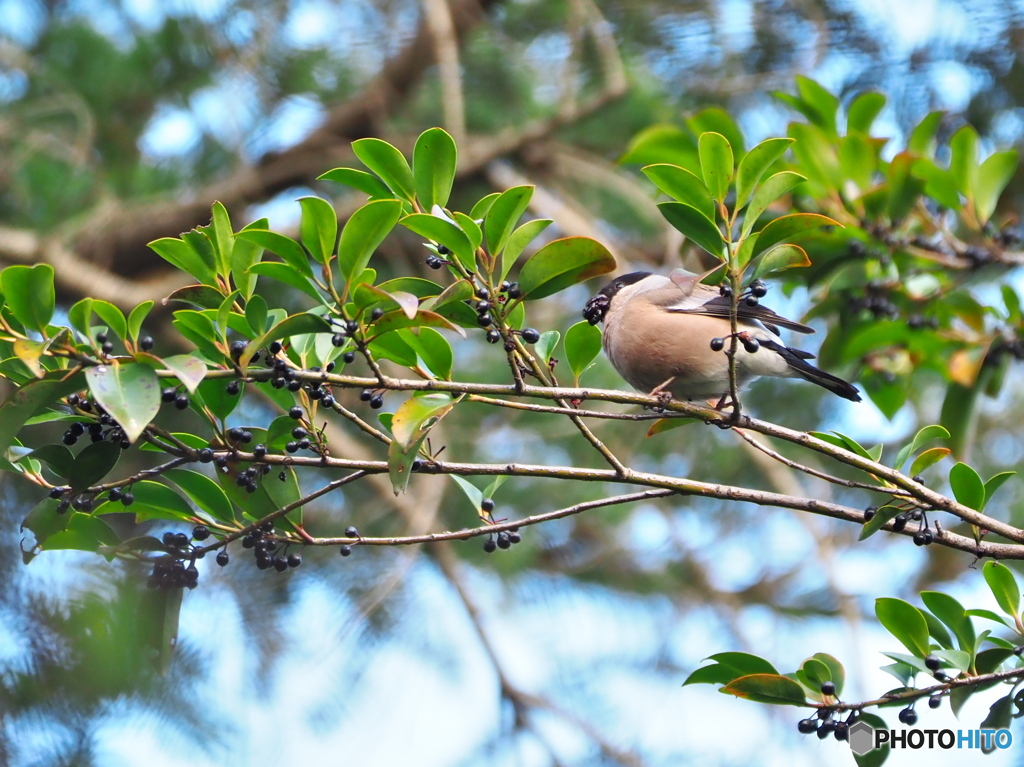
[[122, 121]]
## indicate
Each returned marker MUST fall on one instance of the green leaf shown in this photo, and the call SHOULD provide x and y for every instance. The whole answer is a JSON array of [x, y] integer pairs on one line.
[[445, 232], [582, 345], [82, 533], [1004, 587], [812, 673], [213, 395], [928, 458], [904, 187], [716, 163], [937, 631], [363, 233], [504, 214], [433, 349], [201, 296], [256, 314], [680, 184], [816, 156], [483, 205], [471, 491], [668, 424], [357, 179], [80, 316], [545, 346], [952, 613], [136, 318], [780, 258], [754, 165], [130, 393], [717, 120], [319, 227], [963, 160], [663, 143], [388, 163], [204, 493], [410, 426], [823, 105], [967, 486], [994, 483], [288, 249], [471, 228], [189, 370], [562, 263], [287, 274], [858, 158], [183, 256], [991, 616], [993, 176], [517, 243], [837, 674], [923, 436], [767, 688], [433, 161], [922, 138], [28, 400], [1000, 714], [93, 464], [695, 226], [785, 227], [29, 293], [297, 324], [728, 666], [905, 622], [111, 316], [862, 112], [57, 457], [939, 184]]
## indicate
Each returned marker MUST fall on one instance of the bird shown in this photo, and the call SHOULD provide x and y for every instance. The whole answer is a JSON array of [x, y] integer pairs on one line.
[[668, 335]]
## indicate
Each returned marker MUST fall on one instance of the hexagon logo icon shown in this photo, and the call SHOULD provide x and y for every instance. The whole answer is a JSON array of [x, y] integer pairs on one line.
[[862, 738]]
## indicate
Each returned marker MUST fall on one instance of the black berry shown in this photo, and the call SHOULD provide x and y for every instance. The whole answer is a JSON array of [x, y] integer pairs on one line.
[[348, 357], [933, 662], [237, 348], [181, 401], [146, 343], [295, 412], [487, 504], [934, 701], [127, 498], [908, 716], [717, 344], [169, 394], [259, 451], [376, 401], [200, 533], [345, 550], [222, 558], [828, 688], [351, 532], [807, 726], [233, 388], [531, 336], [490, 545], [205, 455]]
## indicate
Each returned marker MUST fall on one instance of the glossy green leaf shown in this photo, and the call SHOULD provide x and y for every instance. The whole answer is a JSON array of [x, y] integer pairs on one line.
[[154, 500], [823, 105], [433, 349], [363, 233], [57, 457], [780, 258], [471, 228], [863, 110], [130, 393], [904, 188], [424, 318], [714, 119], [111, 316], [905, 622], [938, 183], [483, 205], [967, 486], [319, 227], [189, 370], [816, 156], [204, 493], [518, 241], [952, 613], [695, 226], [858, 158], [582, 346], [668, 424], [256, 314], [562, 263], [287, 274], [29, 293], [683, 186], [288, 249], [996, 482], [200, 296], [82, 533], [876, 757], [92, 464], [80, 316], [993, 176], [433, 163], [545, 346], [1004, 587], [767, 688], [297, 324], [388, 163], [963, 160], [503, 215], [136, 318], [183, 256], [716, 164], [728, 666], [882, 516], [663, 143], [928, 458], [754, 165], [213, 395], [922, 437], [358, 179], [471, 491], [444, 232], [31, 398], [785, 227]]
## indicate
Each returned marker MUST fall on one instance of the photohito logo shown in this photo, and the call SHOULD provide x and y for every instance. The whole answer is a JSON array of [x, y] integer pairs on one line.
[[865, 738]]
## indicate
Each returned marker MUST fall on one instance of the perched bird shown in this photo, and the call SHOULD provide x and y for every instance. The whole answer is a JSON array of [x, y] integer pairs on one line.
[[668, 334]]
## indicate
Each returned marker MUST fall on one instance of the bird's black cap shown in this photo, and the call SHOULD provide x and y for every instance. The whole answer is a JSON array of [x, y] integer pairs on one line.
[[597, 306]]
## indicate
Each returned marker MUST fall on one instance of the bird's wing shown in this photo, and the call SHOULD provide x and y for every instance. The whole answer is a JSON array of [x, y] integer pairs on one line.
[[718, 306]]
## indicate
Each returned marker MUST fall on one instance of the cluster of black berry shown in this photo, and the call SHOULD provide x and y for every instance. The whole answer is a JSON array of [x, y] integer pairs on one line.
[[504, 539], [437, 260], [374, 397], [104, 428], [757, 290], [248, 476], [85, 502], [923, 536], [825, 724], [171, 571], [175, 395], [875, 300], [350, 532], [270, 553]]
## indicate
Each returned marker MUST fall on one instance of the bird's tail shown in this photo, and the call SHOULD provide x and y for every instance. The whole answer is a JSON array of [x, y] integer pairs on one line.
[[799, 365]]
